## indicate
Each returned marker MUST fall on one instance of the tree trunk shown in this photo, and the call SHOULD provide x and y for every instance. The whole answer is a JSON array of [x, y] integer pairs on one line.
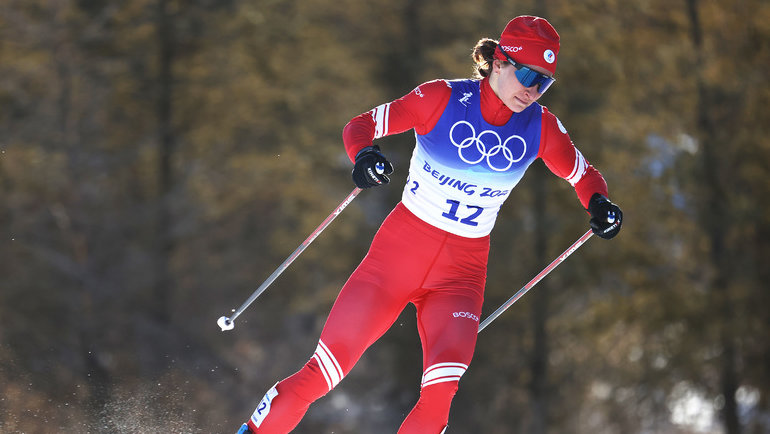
[[713, 218], [539, 361], [166, 146]]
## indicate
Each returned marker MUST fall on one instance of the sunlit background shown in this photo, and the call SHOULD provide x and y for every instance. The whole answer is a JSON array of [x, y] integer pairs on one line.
[[160, 158]]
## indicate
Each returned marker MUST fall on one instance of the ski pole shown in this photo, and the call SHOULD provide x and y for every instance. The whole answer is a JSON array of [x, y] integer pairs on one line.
[[227, 323], [520, 293]]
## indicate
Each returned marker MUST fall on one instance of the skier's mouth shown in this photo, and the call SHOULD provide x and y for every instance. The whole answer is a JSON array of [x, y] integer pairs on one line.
[[520, 101]]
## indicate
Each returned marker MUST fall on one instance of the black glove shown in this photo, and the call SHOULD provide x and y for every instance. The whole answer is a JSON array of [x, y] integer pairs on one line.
[[606, 217], [371, 168]]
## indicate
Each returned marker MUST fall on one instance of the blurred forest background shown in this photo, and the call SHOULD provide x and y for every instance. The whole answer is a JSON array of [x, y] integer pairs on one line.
[[160, 158]]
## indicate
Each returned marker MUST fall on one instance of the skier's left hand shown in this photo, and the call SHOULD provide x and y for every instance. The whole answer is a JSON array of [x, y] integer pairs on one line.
[[606, 217]]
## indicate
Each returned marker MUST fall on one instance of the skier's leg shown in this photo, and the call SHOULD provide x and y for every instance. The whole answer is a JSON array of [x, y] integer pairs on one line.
[[361, 314], [448, 320], [448, 329], [366, 307]]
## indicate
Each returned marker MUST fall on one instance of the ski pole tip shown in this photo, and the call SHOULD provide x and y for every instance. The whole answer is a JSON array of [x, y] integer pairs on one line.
[[225, 323]]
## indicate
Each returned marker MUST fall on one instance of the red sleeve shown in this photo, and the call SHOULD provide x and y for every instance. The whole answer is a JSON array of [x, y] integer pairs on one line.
[[419, 109], [565, 160]]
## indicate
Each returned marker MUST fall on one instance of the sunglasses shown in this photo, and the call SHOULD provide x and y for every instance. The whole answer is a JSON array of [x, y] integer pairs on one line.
[[528, 77]]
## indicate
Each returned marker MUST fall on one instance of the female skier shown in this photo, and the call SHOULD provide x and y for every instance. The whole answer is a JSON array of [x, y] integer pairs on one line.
[[475, 138]]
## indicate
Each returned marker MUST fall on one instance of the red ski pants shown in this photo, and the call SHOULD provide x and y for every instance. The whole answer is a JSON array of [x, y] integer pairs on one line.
[[409, 261]]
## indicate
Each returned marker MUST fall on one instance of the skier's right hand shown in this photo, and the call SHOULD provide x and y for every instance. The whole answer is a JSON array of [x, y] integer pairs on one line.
[[371, 168]]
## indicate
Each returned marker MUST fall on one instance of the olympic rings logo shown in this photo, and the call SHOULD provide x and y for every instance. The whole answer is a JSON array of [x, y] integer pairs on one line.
[[474, 156]]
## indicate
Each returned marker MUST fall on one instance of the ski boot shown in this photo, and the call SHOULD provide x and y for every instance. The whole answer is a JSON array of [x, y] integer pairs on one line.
[[244, 430]]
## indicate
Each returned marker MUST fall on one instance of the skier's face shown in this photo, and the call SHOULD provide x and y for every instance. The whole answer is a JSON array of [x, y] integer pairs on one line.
[[508, 88]]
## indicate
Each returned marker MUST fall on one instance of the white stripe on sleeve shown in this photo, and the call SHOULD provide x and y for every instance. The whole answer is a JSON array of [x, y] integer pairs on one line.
[[380, 114], [581, 165]]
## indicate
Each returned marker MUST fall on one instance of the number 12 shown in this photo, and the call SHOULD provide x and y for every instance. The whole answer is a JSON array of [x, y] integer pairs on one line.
[[454, 205]]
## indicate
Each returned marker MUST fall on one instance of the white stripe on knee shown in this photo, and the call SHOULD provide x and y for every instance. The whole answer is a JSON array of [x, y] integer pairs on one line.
[[330, 368], [443, 372]]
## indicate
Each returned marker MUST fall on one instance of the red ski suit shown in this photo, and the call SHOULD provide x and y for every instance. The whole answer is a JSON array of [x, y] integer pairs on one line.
[[439, 267]]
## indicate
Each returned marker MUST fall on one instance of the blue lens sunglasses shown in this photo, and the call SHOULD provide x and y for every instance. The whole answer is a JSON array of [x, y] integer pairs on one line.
[[528, 77]]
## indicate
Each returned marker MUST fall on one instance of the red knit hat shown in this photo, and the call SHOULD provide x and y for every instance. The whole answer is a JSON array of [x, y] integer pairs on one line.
[[530, 40]]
